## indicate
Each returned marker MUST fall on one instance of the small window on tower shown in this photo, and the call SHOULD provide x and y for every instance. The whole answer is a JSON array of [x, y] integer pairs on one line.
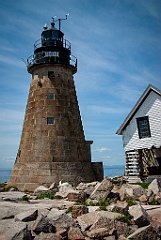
[[50, 120], [51, 96], [143, 127]]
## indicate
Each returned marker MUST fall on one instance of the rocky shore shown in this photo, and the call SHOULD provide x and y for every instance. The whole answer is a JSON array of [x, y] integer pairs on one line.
[[106, 210]]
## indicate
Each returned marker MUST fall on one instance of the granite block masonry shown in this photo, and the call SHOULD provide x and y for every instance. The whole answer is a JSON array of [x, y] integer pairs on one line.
[[53, 146]]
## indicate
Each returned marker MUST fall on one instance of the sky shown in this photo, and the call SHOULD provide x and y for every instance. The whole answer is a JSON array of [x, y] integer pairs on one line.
[[118, 47]]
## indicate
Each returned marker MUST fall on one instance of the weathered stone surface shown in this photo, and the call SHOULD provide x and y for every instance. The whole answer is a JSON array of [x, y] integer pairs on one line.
[[75, 233], [12, 196], [53, 152], [112, 224], [149, 193], [110, 238], [40, 190], [87, 220], [88, 188], [158, 198], [155, 214], [143, 198], [48, 236], [43, 224], [122, 237], [120, 206], [93, 208], [78, 210], [141, 217], [155, 186], [53, 187], [129, 190], [98, 233], [27, 216], [102, 190], [144, 233], [64, 189], [76, 196], [11, 230], [60, 220]]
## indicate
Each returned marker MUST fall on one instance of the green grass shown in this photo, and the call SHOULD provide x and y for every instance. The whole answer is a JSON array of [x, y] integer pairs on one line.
[[25, 198], [126, 217], [143, 184], [45, 195], [130, 201], [69, 210], [103, 203]]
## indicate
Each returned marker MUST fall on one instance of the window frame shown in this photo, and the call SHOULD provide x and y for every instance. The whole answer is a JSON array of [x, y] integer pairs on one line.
[[50, 120], [143, 127], [49, 96]]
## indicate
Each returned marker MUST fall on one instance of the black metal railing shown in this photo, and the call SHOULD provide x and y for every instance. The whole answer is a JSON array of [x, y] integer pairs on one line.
[[33, 60], [52, 42]]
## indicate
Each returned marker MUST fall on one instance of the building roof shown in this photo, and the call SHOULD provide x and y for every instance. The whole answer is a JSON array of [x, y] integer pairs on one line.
[[137, 105]]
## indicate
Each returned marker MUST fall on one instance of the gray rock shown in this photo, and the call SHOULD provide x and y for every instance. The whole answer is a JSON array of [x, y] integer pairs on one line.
[[78, 210], [27, 216], [111, 224], [11, 230], [155, 186], [60, 219], [64, 189], [48, 236], [12, 196], [76, 196], [140, 216], [143, 233], [102, 190], [53, 188], [75, 233], [87, 220], [143, 198], [133, 191], [155, 214], [110, 238], [120, 206], [149, 193], [43, 224], [98, 233], [40, 190], [88, 188]]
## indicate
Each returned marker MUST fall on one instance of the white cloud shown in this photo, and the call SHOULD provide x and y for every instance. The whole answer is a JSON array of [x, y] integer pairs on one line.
[[100, 149], [111, 110]]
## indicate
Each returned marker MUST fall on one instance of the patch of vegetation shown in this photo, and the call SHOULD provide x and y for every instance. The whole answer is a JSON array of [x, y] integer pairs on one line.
[[26, 191], [143, 184], [45, 195], [69, 210], [7, 188], [103, 203], [130, 201], [91, 203], [126, 217], [25, 198]]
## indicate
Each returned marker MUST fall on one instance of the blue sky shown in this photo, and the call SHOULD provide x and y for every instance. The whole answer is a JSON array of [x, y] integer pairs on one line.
[[118, 46]]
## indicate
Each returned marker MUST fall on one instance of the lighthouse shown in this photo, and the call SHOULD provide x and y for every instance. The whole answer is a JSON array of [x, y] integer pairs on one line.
[[53, 146]]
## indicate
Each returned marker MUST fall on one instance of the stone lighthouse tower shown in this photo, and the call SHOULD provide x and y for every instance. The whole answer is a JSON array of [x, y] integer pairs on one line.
[[53, 145]]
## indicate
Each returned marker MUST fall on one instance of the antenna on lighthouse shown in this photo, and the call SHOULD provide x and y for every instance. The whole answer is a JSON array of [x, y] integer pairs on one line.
[[60, 19]]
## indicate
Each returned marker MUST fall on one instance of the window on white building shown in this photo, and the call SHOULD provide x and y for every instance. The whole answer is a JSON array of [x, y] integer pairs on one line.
[[143, 127]]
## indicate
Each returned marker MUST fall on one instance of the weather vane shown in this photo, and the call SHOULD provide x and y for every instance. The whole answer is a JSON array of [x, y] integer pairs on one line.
[[59, 20]]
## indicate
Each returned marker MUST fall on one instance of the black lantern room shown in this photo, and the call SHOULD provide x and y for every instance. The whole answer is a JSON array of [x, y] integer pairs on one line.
[[52, 48]]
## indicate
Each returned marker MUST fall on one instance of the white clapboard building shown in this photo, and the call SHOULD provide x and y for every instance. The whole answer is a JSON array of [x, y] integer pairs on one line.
[[141, 134]]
